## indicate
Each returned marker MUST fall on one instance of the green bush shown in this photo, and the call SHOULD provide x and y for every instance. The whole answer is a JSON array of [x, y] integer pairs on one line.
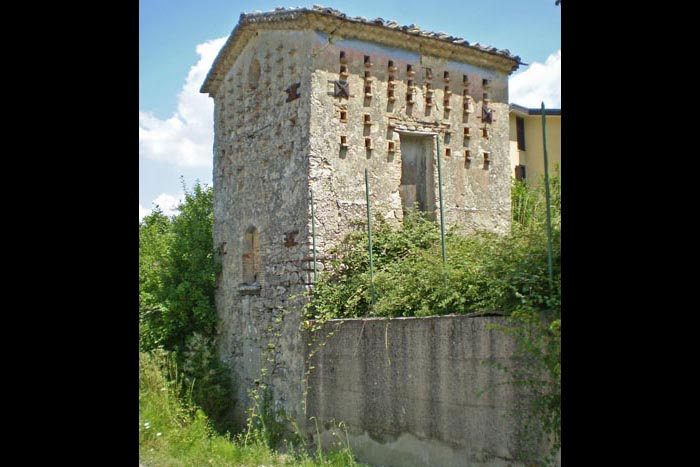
[[177, 271], [484, 272]]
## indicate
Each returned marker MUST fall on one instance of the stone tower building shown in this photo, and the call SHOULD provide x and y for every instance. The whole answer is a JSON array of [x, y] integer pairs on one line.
[[306, 99]]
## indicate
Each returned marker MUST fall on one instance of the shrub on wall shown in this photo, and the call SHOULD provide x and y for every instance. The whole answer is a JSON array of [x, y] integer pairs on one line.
[[485, 272]]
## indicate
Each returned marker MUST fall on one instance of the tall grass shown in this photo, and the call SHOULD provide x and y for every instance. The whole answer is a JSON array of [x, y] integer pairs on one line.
[[175, 433]]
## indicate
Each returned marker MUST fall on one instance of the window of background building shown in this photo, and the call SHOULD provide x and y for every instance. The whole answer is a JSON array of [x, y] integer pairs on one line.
[[520, 129]]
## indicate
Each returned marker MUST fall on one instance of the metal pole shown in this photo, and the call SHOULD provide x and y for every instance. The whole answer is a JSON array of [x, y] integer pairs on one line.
[[369, 235], [313, 234], [442, 213], [546, 186]]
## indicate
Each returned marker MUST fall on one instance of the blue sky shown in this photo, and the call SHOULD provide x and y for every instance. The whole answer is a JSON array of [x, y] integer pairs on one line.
[[178, 39]]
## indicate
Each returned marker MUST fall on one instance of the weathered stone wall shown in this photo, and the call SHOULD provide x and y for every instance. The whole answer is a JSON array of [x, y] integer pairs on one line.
[[260, 181], [477, 194], [278, 134], [417, 392]]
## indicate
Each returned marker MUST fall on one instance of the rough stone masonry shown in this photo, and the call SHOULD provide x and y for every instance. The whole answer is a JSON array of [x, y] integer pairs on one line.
[[306, 99]]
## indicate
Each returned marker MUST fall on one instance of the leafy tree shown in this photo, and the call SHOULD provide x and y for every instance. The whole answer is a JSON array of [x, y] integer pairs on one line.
[[154, 244], [177, 273], [189, 273]]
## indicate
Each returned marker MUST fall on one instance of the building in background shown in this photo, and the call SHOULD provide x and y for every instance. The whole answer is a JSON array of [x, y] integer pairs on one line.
[[526, 152]]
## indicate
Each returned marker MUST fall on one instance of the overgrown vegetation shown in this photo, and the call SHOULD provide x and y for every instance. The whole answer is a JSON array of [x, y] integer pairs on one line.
[[174, 432], [484, 272], [177, 271], [184, 391]]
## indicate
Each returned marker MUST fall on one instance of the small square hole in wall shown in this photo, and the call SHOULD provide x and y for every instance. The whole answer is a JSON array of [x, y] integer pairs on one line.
[[485, 82], [368, 74], [342, 57], [409, 70], [343, 116], [428, 101], [368, 61], [446, 76], [466, 132], [368, 90], [343, 70], [390, 94], [344, 141], [448, 137], [465, 93], [391, 146], [366, 119], [368, 143], [428, 73], [465, 80], [409, 83], [485, 132], [447, 91], [448, 152], [409, 98], [428, 87], [486, 96]]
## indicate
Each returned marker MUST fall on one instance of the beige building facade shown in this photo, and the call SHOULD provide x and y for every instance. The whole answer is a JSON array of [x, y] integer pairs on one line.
[[526, 143]]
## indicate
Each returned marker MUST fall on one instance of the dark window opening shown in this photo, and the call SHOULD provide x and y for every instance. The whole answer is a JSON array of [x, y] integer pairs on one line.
[[520, 130]]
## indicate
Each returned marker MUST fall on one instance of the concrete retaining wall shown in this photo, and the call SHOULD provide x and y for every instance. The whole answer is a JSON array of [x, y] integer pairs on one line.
[[417, 391]]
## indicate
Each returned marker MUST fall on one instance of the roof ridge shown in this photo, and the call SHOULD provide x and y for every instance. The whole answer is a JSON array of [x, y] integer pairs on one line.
[[390, 24], [507, 61]]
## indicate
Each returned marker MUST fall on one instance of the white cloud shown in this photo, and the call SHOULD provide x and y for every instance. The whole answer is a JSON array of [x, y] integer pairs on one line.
[[167, 203], [143, 212], [540, 82], [186, 138]]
